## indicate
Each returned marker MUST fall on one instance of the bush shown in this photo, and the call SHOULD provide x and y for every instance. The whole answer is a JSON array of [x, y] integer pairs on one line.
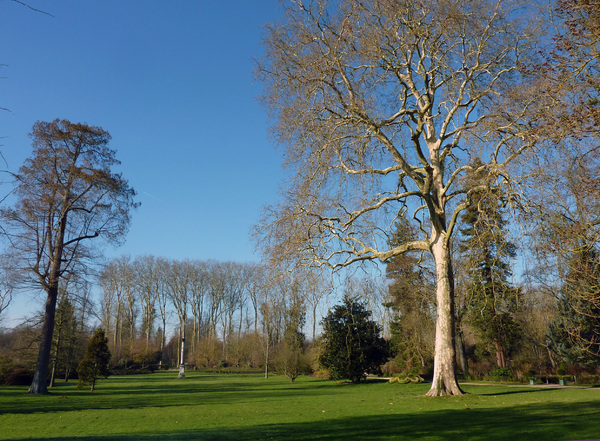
[[352, 345], [587, 379], [144, 354], [291, 361], [501, 373], [14, 374], [19, 377]]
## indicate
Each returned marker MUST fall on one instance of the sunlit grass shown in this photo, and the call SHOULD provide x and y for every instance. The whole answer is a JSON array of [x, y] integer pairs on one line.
[[248, 407]]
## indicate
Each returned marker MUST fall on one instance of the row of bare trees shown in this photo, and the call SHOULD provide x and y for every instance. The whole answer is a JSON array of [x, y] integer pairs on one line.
[[209, 300]]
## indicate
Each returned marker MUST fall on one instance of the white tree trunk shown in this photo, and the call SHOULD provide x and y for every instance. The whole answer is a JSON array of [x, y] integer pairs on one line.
[[182, 355], [444, 370]]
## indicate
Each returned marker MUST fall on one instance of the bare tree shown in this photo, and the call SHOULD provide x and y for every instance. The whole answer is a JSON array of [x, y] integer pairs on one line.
[[130, 302], [377, 103], [178, 283], [270, 298], [315, 285], [199, 287], [113, 299], [256, 274], [566, 242], [565, 220], [573, 69], [242, 275], [146, 275], [230, 300], [217, 293], [161, 270], [67, 196]]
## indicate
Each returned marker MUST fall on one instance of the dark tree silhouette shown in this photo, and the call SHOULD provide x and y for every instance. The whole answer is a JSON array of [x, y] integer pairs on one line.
[[352, 342]]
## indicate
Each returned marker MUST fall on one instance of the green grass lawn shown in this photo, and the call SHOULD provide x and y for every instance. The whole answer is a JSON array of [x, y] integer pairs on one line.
[[248, 407]]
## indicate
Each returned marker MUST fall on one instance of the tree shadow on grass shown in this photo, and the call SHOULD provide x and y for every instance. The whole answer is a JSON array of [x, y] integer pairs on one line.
[[166, 394], [519, 391], [202, 390], [523, 423]]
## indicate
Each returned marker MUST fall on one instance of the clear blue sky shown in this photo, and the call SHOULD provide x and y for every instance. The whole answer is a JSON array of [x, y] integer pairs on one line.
[[172, 82]]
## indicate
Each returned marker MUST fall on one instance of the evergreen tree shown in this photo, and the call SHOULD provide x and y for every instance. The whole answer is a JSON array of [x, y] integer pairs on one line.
[[352, 344], [412, 300], [575, 335], [95, 361], [491, 301]]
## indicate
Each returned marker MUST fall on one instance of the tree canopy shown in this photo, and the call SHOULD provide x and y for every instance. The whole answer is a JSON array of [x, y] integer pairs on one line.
[[380, 106], [67, 195]]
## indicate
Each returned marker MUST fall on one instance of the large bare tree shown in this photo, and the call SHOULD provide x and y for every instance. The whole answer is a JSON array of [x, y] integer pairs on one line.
[[67, 196], [380, 106]]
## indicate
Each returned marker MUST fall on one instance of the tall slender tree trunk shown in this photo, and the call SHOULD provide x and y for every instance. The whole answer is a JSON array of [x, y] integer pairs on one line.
[[267, 358], [239, 336], [255, 319], [444, 370], [148, 329], [462, 353], [195, 332], [314, 322], [162, 340], [39, 383], [117, 322], [182, 353]]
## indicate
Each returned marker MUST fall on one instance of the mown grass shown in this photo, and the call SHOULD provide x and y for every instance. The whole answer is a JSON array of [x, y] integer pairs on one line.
[[248, 407]]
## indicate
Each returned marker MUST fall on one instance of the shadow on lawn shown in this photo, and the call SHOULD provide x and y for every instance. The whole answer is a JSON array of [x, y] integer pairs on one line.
[[519, 391], [530, 422], [120, 395]]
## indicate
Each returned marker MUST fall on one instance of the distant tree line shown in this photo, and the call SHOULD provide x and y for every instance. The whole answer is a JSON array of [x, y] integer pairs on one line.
[[227, 312]]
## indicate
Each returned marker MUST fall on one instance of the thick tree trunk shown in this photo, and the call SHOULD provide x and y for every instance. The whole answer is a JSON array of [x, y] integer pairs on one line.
[[40, 378], [444, 370]]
